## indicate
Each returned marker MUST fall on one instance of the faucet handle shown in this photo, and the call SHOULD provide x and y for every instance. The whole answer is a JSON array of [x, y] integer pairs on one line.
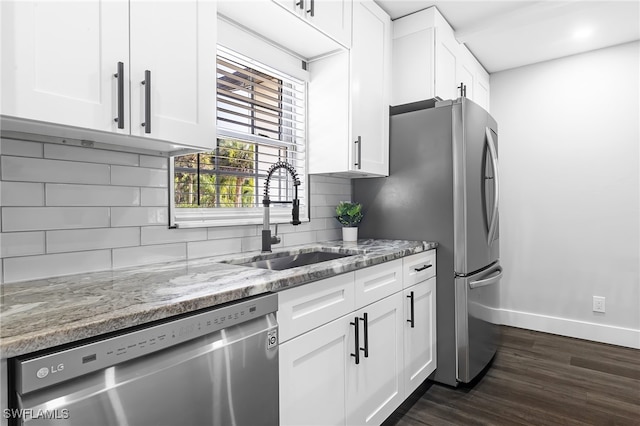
[[295, 212]]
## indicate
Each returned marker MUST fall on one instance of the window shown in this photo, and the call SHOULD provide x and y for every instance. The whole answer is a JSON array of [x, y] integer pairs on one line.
[[260, 119]]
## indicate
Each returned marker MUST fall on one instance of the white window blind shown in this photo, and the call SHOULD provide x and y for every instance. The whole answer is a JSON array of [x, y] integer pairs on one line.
[[260, 115]]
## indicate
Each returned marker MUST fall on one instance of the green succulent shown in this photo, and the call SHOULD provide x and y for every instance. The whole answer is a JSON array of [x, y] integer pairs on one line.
[[349, 214]]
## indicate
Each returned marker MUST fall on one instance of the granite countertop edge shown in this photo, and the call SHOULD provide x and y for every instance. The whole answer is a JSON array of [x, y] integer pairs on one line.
[[42, 314]]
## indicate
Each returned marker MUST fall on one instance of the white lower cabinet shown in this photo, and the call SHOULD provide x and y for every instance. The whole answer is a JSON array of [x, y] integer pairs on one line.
[[322, 380], [419, 333], [374, 386], [322, 383], [313, 375]]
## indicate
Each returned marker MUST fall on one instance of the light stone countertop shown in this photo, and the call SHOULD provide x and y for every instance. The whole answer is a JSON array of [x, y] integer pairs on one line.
[[41, 314]]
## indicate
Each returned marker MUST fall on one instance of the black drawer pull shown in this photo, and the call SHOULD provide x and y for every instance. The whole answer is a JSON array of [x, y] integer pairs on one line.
[[423, 268], [365, 318], [120, 76], [147, 101], [413, 318], [356, 324]]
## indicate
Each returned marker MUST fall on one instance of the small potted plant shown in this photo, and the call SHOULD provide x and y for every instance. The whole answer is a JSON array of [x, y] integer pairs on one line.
[[349, 215]]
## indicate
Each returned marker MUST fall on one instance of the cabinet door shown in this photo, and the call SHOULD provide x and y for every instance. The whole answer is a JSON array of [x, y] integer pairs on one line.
[[313, 374], [419, 333], [370, 87], [466, 72], [333, 17], [375, 385], [59, 59], [176, 42], [481, 88], [412, 66], [446, 58]]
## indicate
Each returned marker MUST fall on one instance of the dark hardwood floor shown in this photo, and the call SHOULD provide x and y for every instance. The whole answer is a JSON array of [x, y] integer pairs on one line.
[[537, 379]]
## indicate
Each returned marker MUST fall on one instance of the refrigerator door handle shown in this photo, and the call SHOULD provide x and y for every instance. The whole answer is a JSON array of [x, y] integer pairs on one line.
[[494, 163], [493, 279]]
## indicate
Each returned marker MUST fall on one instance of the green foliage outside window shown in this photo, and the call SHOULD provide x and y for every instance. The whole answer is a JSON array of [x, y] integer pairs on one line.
[[226, 177]]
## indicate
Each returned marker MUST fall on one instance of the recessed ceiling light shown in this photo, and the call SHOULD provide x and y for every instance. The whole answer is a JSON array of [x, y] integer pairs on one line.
[[582, 33]]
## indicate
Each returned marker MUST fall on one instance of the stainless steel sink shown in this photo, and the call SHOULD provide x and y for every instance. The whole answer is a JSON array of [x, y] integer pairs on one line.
[[295, 260]]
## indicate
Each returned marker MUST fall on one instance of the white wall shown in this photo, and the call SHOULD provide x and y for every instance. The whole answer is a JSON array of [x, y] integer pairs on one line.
[[69, 210], [570, 220]]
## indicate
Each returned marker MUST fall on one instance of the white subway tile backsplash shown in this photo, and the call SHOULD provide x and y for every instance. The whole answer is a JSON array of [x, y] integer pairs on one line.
[[22, 243], [89, 155], [81, 209], [20, 148], [325, 211], [222, 232], [91, 195], [154, 197], [46, 218], [52, 265], [21, 194], [91, 239], [139, 216], [40, 170], [253, 244], [143, 255], [163, 235], [329, 234], [139, 176], [332, 200], [298, 238], [331, 188], [154, 162], [213, 247]]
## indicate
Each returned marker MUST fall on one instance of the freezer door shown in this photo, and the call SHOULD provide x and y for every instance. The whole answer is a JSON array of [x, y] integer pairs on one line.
[[475, 175], [477, 335]]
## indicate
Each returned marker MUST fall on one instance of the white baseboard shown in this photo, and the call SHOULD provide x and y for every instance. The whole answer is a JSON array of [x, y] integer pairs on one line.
[[613, 335]]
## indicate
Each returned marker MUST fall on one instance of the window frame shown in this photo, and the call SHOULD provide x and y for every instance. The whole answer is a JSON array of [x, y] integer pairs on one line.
[[185, 217]]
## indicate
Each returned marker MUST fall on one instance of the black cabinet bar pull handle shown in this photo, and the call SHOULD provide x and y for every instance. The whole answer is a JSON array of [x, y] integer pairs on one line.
[[365, 318], [356, 324], [423, 268], [412, 320], [359, 155], [312, 9], [120, 76], [301, 4], [147, 101]]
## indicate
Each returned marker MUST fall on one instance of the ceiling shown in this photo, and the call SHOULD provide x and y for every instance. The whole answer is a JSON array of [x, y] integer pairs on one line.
[[511, 33]]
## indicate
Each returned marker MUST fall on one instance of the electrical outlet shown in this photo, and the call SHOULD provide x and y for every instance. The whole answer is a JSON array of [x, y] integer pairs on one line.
[[598, 304]]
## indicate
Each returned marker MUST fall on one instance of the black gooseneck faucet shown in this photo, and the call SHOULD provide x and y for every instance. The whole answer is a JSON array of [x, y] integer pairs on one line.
[[267, 239]]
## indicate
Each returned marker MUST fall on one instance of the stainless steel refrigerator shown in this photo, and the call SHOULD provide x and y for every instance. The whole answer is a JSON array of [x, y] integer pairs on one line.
[[443, 186]]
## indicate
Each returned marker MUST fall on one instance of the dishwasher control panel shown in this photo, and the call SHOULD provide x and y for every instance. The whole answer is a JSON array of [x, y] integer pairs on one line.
[[57, 366]]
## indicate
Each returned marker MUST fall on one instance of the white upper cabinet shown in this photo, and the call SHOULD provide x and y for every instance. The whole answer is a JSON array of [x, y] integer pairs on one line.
[[175, 43], [428, 62], [74, 70], [332, 17], [59, 61], [290, 24], [349, 101]]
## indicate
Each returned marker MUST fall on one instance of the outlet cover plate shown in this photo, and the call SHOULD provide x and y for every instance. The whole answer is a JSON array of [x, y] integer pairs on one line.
[[598, 304]]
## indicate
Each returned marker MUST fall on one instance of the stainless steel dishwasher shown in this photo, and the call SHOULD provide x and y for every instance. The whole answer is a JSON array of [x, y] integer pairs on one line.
[[217, 367]]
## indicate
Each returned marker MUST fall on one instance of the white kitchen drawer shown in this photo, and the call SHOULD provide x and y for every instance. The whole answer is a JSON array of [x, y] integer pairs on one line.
[[377, 282], [418, 267], [308, 306]]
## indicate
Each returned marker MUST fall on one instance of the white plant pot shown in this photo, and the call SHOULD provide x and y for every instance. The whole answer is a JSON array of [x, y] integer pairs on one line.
[[350, 234]]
